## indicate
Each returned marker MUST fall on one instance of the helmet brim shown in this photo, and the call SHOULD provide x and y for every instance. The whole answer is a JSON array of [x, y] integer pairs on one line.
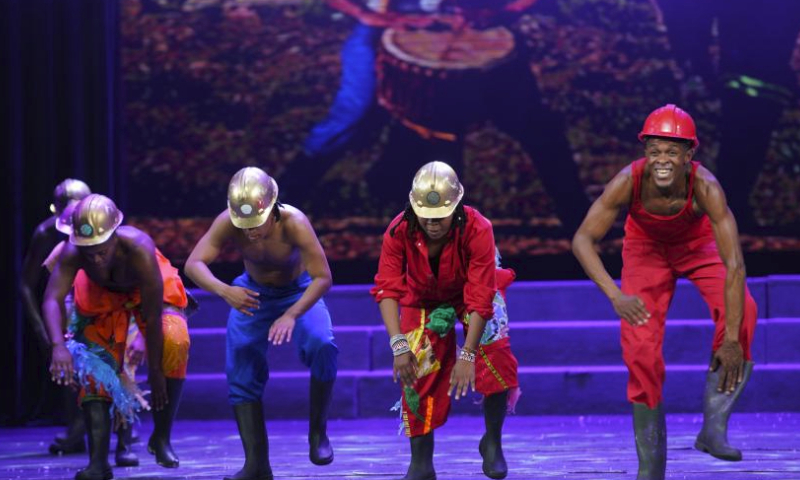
[[79, 241]]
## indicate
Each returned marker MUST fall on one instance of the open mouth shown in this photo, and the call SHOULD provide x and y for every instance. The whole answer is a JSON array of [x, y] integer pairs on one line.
[[662, 173]]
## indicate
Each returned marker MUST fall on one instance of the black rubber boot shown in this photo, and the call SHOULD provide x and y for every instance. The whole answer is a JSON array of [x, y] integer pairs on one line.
[[717, 408], [320, 451], [98, 423], [650, 430], [160, 441], [421, 466], [73, 440], [125, 456], [253, 432], [491, 446]]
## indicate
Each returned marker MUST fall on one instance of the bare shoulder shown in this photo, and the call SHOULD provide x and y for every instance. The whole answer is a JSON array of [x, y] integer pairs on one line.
[[705, 180], [293, 217], [619, 189], [222, 227], [135, 237], [137, 242]]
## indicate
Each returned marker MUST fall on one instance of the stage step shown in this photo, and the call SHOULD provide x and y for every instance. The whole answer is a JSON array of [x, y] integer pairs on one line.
[[532, 301], [576, 342], [564, 334], [551, 390]]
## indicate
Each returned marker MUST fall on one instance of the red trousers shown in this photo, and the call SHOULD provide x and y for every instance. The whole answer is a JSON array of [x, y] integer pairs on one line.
[[650, 270], [426, 405]]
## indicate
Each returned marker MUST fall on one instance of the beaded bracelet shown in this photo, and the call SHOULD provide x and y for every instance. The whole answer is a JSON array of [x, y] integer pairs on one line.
[[467, 355], [399, 344]]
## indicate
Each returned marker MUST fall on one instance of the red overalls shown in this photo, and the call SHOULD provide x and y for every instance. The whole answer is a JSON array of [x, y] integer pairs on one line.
[[656, 251]]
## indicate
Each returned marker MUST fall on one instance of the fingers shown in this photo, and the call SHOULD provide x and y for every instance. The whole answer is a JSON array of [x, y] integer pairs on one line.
[[452, 383], [245, 311], [741, 373], [252, 293], [714, 364]]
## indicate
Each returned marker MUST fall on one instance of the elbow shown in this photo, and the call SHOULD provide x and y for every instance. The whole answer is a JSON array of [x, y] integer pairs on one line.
[[736, 268], [190, 270]]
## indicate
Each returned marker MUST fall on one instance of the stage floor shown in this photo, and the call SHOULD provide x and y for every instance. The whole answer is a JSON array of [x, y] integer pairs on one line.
[[591, 447]]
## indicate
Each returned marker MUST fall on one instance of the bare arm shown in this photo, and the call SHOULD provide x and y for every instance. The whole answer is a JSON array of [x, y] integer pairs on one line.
[[206, 251], [58, 286], [598, 221], [301, 234], [711, 199], [152, 291], [595, 226], [31, 273]]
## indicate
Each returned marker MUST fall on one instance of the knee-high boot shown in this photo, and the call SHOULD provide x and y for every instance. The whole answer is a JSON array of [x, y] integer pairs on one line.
[[320, 451], [717, 408], [125, 456], [650, 430], [421, 466], [98, 424], [253, 432], [491, 447], [160, 441], [73, 440]]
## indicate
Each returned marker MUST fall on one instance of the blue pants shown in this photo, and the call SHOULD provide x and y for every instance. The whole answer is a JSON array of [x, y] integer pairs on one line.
[[356, 95], [246, 352]]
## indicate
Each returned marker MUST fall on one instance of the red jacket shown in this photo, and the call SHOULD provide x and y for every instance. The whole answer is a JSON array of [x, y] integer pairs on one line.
[[466, 279]]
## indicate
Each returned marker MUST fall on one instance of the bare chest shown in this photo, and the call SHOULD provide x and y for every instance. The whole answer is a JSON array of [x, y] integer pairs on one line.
[[117, 277]]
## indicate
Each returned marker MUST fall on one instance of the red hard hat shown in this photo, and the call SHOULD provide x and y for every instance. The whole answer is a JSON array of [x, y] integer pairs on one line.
[[670, 121]]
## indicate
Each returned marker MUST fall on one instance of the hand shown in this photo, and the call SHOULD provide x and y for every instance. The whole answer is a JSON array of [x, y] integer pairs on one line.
[[730, 357], [281, 330], [241, 299], [158, 389], [61, 365], [405, 369], [462, 378], [135, 351], [631, 309]]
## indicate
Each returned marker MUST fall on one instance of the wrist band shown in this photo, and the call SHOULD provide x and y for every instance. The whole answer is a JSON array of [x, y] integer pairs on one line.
[[467, 355], [399, 344]]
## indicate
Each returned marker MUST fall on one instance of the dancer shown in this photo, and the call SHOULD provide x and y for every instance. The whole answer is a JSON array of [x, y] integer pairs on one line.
[[437, 264], [678, 225], [277, 299]]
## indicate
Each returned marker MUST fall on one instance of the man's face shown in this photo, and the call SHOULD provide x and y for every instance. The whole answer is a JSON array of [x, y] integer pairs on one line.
[[436, 228], [260, 232], [100, 255], [666, 160]]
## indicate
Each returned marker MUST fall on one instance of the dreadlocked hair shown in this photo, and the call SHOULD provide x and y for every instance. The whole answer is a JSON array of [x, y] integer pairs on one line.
[[459, 219], [276, 210]]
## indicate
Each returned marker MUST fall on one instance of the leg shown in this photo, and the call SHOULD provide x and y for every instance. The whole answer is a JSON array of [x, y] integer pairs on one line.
[[646, 274], [73, 441], [389, 177], [253, 431], [314, 338], [247, 373], [125, 456], [496, 378], [98, 423], [421, 466], [707, 272], [174, 363], [650, 431], [345, 119], [516, 106], [425, 405], [491, 446]]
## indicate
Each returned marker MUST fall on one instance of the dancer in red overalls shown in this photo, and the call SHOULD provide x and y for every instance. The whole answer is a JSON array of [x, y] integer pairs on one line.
[[438, 265], [678, 225]]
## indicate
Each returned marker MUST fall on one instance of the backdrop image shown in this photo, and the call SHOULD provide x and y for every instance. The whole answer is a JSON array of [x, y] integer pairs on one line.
[[536, 104]]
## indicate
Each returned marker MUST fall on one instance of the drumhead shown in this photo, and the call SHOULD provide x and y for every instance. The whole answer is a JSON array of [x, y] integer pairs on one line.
[[465, 49]]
